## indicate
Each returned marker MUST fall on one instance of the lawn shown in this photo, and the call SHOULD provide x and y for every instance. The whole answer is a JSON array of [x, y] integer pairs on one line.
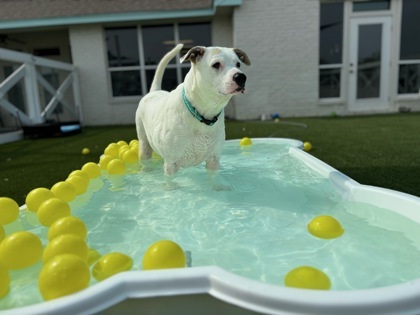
[[374, 150]]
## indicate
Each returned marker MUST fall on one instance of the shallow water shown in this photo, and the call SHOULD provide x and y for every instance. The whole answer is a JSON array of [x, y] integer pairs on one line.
[[256, 229]]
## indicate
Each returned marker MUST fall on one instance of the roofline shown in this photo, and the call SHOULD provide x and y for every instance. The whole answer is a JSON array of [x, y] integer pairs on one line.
[[115, 17]]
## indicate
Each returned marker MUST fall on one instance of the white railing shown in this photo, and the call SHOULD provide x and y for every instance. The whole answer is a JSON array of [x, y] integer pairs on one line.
[[36, 111]]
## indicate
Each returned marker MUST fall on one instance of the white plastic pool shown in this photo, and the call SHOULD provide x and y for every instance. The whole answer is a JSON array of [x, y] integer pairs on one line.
[[211, 289]]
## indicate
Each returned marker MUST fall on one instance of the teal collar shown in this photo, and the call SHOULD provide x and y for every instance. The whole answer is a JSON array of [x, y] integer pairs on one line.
[[196, 114]]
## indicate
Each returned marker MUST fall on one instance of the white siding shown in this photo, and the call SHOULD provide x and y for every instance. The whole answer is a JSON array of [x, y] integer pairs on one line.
[[281, 39]]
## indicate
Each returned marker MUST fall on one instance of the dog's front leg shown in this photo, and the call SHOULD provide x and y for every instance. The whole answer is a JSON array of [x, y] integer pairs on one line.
[[216, 180], [170, 168]]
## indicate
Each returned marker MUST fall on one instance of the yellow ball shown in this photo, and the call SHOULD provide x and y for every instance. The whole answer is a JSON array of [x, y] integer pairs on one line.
[[104, 160], [112, 150], [2, 233], [307, 146], [51, 210], [325, 226], [79, 183], [92, 169], [162, 255], [64, 190], [93, 256], [9, 210], [80, 173], [63, 275], [67, 225], [306, 277], [85, 151], [133, 143], [111, 264], [20, 250], [122, 143], [245, 141], [122, 150], [116, 167], [36, 197], [65, 244], [4, 281], [131, 156]]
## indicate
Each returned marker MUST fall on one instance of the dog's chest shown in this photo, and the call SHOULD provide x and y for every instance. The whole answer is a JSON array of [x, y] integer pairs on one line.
[[197, 149]]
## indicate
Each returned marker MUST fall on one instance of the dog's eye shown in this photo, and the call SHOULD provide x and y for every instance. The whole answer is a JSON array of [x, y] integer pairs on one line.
[[216, 65], [238, 65]]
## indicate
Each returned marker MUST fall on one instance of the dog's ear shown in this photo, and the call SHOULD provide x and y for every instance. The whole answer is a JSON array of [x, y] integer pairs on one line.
[[194, 54], [242, 56]]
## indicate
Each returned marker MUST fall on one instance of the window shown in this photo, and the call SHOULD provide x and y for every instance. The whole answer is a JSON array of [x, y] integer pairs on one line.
[[330, 49], [372, 5], [134, 53], [409, 69]]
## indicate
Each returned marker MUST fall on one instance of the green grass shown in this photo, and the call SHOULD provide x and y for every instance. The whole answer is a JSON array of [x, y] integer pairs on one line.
[[382, 151]]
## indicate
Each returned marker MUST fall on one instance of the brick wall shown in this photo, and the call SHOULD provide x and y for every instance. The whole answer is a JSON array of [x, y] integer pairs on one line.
[[34, 9], [281, 39]]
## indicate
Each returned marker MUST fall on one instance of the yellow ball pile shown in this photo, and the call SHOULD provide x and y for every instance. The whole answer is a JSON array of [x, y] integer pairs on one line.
[[117, 156], [66, 257]]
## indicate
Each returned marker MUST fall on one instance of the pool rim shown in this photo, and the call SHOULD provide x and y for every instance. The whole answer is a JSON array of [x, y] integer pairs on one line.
[[251, 294]]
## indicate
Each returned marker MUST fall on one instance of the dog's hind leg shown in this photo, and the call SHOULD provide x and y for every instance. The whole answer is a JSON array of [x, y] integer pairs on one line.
[[145, 150]]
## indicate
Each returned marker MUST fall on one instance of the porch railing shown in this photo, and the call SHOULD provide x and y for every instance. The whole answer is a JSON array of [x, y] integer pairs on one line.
[[45, 87]]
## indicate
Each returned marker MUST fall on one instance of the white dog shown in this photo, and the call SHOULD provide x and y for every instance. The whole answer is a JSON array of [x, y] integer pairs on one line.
[[186, 126]]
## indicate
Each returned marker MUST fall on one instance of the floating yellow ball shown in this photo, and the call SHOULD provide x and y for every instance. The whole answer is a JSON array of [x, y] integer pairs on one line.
[[116, 167], [122, 150], [85, 151], [51, 210], [112, 150], [80, 173], [4, 281], [111, 264], [122, 143], [2, 233], [104, 160], [64, 190], [20, 250], [325, 226], [67, 225], [65, 244], [245, 141], [9, 210], [92, 169], [133, 143], [80, 183], [36, 197], [93, 256], [163, 255], [306, 277], [307, 146], [131, 156], [63, 275]]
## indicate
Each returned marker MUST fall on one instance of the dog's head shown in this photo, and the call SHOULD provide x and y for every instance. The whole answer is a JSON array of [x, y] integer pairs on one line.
[[219, 67]]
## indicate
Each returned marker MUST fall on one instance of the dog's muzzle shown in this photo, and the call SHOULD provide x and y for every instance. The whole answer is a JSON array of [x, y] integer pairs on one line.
[[240, 79]]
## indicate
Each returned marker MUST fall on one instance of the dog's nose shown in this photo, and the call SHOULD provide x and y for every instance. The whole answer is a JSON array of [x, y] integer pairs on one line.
[[239, 79]]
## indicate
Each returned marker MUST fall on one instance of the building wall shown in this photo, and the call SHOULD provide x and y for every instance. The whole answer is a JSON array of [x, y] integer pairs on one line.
[[89, 56], [283, 48]]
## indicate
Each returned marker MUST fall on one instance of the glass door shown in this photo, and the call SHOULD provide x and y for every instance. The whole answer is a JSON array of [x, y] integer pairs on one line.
[[369, 67]]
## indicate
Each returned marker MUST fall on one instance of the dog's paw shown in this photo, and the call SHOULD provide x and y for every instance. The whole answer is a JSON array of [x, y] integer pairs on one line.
[[219, 186]]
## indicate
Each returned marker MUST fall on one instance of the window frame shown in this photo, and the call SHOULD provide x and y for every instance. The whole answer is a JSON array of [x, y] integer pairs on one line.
[[339, 66], [142, 67]]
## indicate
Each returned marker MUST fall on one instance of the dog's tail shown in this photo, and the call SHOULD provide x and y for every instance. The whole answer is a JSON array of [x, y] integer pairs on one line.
[[157, 80]]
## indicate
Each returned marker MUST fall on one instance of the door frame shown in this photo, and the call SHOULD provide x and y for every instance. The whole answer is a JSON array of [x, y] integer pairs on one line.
[[383, 101]]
